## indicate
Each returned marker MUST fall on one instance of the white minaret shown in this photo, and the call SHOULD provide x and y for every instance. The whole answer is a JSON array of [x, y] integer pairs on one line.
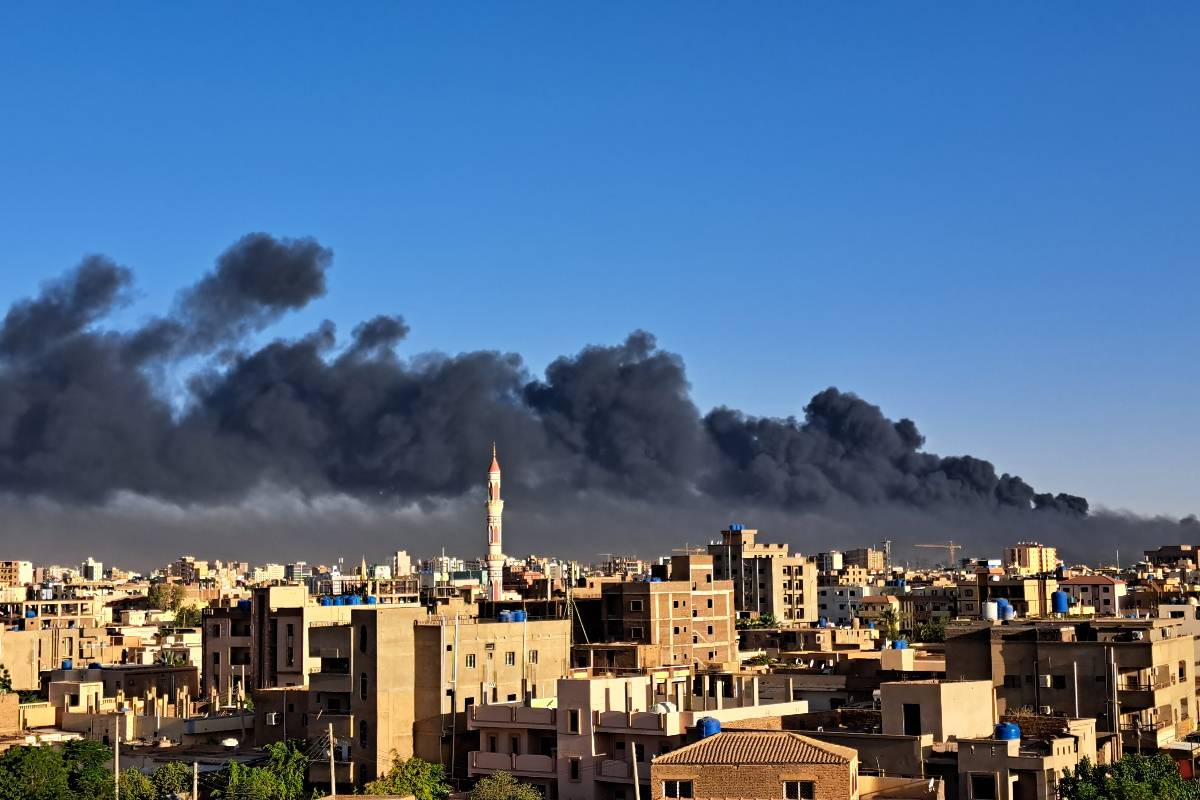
[[495, 509]]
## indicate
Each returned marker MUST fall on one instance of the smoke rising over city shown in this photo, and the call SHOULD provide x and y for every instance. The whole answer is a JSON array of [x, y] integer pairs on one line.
[[327, 440]]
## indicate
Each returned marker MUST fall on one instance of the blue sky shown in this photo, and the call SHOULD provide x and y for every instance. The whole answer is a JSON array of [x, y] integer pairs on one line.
[[980, 216]]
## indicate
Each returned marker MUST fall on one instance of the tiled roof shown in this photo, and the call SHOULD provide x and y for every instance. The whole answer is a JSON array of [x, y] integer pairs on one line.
[[767, 747], [1089, 580]]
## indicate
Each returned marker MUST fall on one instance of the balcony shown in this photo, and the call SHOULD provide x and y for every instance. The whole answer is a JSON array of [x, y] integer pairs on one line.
[[621, 771], [342, 721], [330, 682], [318, 772], [639, 722], [528, 766], [503, 715]]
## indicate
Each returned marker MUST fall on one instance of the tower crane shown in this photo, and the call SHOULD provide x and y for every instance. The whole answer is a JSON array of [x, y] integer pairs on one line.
[[950, 547]]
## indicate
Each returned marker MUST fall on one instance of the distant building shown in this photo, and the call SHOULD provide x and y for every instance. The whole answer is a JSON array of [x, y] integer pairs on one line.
[[832, 561], [15, 573], [839, 604], [92, 570], [868, 558], [766, 579], [1030, 558], [1100, 592], [1172, 554]]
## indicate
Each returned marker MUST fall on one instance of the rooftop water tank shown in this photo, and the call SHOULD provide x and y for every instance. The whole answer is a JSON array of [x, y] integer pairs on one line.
[[1007, 612], [244, 604], [1060, 601], [823, 622], [326, 601], [68, 663], [1008, 731], [372, 600], [506, 616], [991, 610], [520, 615], [900, 644], [708, 726]]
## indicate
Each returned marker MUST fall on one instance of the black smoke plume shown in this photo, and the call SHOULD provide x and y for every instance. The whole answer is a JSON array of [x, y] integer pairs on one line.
[[85, 423]]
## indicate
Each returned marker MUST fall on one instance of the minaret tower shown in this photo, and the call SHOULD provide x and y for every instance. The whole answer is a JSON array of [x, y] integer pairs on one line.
[[495, 509]]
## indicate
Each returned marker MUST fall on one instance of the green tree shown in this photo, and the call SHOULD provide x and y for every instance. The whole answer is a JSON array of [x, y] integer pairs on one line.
[[503, 786], [166, 596], [88, 773], [134, 786], [188, 617], [932, 631], [417, 777], [33, 773], [5, 680], [281, 778], [888, 623], [290, 765], [171, 778], [1134, 777]]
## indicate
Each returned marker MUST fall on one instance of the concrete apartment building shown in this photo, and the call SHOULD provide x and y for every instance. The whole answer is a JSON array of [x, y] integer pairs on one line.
[[763, 764], [867, 558], [1100, 593], [766, 579], [684, 620], [1136, 677], [1030, 558], [394, 680], [281, 619], [227, 645], [15, 573], [1028, 595], [597, 738]]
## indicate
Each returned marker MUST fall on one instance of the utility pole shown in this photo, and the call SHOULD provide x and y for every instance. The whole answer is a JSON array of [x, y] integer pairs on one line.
[[332, 769], [117, 758], [195, 780]]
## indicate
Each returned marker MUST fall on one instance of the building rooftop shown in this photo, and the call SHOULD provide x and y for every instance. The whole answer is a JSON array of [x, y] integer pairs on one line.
[[767, 747]]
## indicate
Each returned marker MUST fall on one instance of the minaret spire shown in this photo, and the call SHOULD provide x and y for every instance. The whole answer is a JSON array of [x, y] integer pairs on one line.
[[495, 511]]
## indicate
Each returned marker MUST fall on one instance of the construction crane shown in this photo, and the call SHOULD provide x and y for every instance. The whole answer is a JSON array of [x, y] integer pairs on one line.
[[950, 547]]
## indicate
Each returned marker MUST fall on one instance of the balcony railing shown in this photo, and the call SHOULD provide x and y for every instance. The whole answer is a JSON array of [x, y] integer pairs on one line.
[[515, 763], [1144, 727], [499, 715]]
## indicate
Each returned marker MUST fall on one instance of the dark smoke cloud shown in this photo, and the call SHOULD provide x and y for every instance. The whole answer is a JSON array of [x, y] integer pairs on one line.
[[84, 423]]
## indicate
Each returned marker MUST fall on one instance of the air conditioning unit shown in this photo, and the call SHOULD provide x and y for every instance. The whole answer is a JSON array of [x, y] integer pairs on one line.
[[1045, 711], [1045, 681], [273, 718]]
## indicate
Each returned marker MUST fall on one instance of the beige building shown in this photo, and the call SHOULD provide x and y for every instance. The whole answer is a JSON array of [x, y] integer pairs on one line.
[[867, 558], [16, 573], [761, 764], [281, 620], [226, 663], [1100, 593], [597, 737], [394, 680], [683, 621], [766, 579], [1136, 677], [1030, 558]]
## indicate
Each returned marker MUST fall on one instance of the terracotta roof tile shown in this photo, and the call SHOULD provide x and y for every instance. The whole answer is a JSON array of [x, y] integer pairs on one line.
[[769, 747]]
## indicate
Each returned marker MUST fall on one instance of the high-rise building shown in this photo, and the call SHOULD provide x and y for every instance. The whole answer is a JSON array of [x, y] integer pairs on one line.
[[766, 579], [868, 558], [15, 573], [495, 553], [92, 570], [1030, 558]]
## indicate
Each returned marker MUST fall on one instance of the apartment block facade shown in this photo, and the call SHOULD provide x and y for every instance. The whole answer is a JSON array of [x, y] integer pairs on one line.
[[766, 579]]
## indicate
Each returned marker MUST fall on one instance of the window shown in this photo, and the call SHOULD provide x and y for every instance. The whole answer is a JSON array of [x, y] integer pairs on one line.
[[491, 744], [291, 630], [710, 630], [470, 661], [573, 721], [450, 648], [635, 605], [799, 790], [677, 789], [516, 746], [675, 604], [573, 770], [510, 658], [362, 685], [1058, 681], [362, 638], [1182, 671], [676, 630], [710, 605], [635, 633], [533, 656], [983, 787], [363, 734], [291, 656], [216, 659], [215, 631]]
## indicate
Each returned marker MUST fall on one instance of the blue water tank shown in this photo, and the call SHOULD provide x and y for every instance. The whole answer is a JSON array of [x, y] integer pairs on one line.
[[506, 616], [1060, 601], [656, 579], [1007, 611], [68, 663], [1008, 731], [355, 600], [871, 625], [372, 600], [30, 613], [244, 604], [900, 644], [823, 622], [708, 726], [520, 615], [95, 665], [327, 601], [736, 526]]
